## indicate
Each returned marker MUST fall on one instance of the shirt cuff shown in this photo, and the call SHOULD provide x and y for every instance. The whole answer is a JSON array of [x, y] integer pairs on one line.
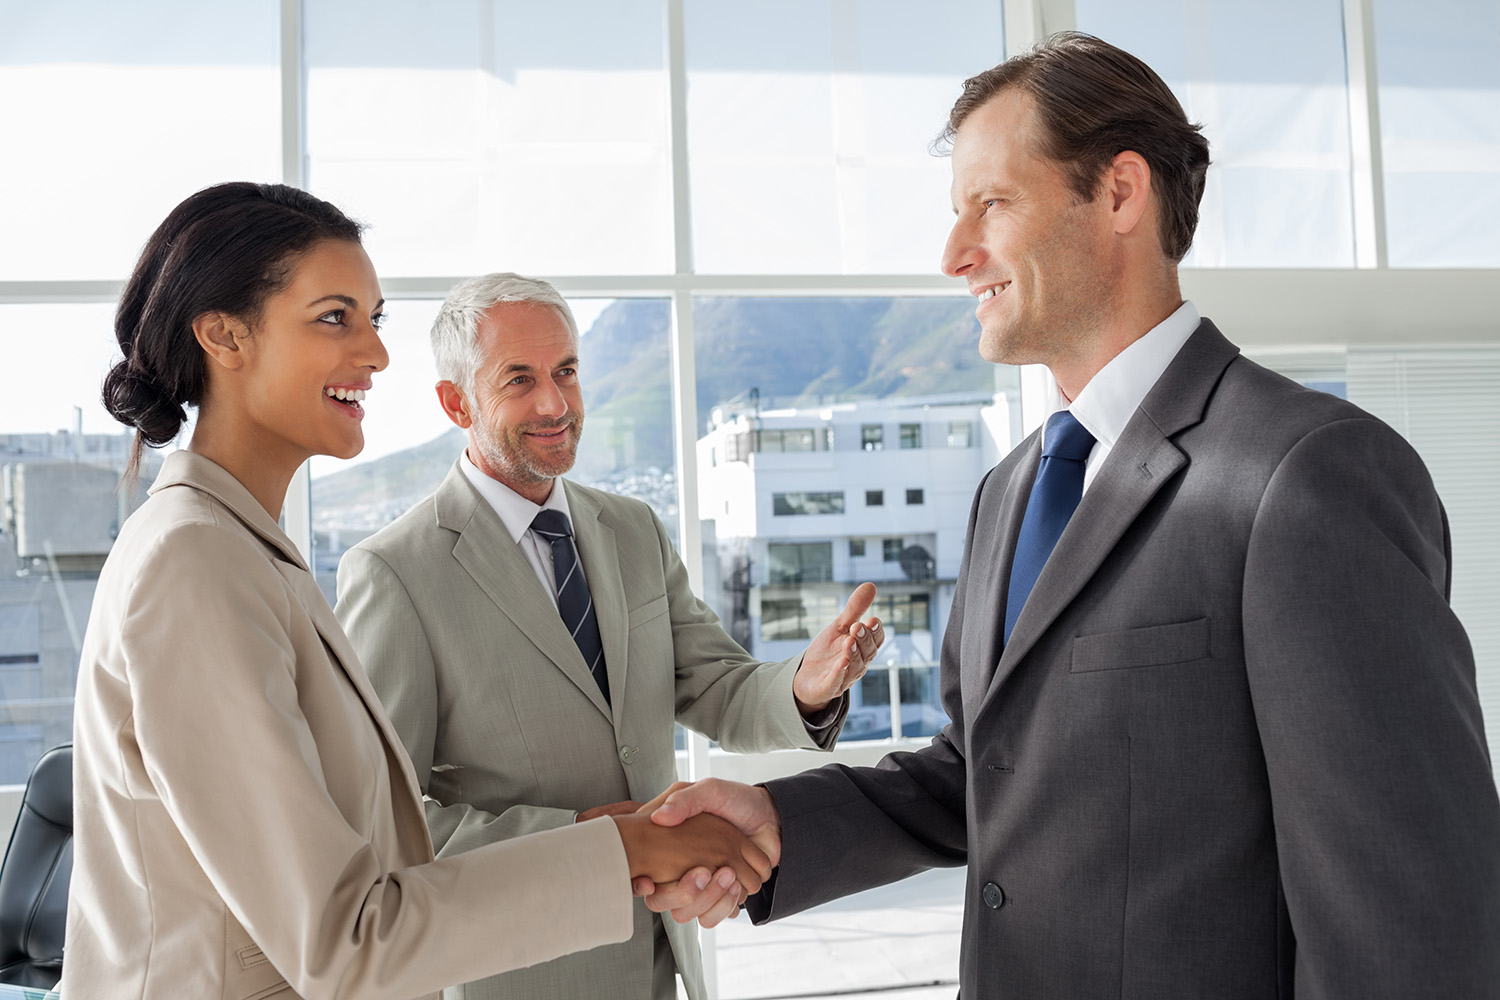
[[824, 719]]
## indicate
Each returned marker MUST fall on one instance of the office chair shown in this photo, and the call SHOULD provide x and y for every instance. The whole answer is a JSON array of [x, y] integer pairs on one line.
[[34, 876]]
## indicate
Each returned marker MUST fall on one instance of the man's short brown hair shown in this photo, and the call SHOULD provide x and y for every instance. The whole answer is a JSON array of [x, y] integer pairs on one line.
[[1095, 101]]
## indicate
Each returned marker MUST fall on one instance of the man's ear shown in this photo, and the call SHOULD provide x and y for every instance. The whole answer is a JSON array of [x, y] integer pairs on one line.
[[219, 335], [1127, 185], [454, 403]]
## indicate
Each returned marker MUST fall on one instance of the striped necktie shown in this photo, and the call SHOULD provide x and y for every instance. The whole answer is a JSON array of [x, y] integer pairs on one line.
[[574, 602]]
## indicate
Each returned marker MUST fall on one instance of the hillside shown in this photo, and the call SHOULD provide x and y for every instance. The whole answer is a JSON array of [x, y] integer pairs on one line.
[[794, 351]]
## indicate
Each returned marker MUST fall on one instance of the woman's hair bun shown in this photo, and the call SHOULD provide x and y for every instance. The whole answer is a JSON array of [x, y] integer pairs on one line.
[[133, 397]]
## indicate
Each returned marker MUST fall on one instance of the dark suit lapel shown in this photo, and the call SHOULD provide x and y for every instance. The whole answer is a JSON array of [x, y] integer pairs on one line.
[[488, 554], [1143, 460], [601, 568], [1140, 463], [994, 546]]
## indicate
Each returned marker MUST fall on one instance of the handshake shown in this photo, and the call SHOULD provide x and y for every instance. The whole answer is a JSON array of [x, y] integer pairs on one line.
[[700, 850]]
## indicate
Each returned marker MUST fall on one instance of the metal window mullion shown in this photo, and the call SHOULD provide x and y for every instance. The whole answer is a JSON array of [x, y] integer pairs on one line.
[[296, 511], [1367, 168], [684, 387]]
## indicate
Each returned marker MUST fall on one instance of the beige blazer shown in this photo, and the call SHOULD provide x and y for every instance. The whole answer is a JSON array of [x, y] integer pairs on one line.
[[509, 731], [247, 825]]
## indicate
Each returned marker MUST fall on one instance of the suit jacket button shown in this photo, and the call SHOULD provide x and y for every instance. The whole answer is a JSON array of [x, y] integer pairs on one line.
[[994, 898], [627, 754]]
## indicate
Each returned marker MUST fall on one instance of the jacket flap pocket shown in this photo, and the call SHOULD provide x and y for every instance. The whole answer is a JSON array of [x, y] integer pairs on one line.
[[250, 974], [650, 611], [1152, 646]]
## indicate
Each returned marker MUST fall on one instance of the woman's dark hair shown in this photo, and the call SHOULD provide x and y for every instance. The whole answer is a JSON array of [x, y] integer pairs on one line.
[[226, 249], [1095, 101]]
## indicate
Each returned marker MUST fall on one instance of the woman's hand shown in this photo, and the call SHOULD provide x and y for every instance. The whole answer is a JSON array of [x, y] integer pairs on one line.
[[665, 853]]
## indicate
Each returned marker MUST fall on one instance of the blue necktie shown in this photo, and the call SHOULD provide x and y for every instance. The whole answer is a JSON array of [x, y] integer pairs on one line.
[[574, 602], [1054, 497]]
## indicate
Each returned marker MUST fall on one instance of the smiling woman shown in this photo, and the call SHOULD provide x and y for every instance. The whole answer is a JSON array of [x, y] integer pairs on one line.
[[281, 378], [247, 822]]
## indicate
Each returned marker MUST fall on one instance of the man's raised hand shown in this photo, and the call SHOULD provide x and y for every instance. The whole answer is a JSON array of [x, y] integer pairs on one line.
[[839, 655]]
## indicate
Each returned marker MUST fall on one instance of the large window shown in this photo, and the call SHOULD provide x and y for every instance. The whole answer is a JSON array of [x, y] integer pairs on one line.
[[739, 202], [807, 129], [492, 134], [799, 562], [807, 503], [796, 616], [1268, 82], [113, 113], [1439, 92]]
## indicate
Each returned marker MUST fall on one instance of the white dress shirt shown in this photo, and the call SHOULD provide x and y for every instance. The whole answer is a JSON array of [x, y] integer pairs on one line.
[[517, 513], [1111, 397]]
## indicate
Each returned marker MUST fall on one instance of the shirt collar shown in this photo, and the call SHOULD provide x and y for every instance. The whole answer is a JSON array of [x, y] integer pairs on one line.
[[1112, 396], [515, 511]]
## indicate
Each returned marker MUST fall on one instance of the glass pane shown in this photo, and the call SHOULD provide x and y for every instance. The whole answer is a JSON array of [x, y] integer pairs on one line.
[[56, 357], [112, 113], [808, 130], [494, 134], [410, 444], [61, 505], [1268, 82], [897, 942], [1439, 66], [793, 532]]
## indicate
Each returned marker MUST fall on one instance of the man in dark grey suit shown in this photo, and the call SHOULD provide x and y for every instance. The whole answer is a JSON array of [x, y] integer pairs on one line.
[[1216, 734]]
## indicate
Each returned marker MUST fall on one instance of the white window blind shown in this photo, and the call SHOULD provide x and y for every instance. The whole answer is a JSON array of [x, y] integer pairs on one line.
[[1447, 404]]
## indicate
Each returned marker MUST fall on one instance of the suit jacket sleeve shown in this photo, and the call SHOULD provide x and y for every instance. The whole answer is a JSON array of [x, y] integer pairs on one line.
[[217, 720], [391, 640], [845, 829], [746, 705], [1362, 680]]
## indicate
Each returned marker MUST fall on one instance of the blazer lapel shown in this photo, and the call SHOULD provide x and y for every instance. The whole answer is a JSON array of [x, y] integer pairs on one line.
[[994, 546], [348, 660], [194, 470], [487, 552], [1142, 461], [601, 568]]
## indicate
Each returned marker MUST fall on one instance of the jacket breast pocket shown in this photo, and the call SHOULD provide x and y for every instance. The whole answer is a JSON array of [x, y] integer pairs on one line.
[[648, 612], [252, 976], [1151, 646]]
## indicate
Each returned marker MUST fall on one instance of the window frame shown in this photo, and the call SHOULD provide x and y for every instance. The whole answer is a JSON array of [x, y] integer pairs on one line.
[[1369, 304]]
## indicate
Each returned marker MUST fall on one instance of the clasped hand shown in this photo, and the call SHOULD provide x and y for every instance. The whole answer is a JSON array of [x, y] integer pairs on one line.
[[664, 853], [709, 894]]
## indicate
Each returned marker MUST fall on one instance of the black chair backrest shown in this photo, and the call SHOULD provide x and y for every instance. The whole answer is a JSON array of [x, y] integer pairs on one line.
[[34, 877]]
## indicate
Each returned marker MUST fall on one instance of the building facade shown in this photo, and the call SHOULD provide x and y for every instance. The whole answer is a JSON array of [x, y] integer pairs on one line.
[[804, 504], [61, 506]]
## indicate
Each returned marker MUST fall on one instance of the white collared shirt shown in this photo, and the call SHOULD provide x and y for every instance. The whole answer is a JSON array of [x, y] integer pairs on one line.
[[517, 513], [1112, 396]]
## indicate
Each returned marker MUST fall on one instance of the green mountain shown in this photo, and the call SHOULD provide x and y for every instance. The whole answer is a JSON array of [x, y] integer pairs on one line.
[[794, 351]]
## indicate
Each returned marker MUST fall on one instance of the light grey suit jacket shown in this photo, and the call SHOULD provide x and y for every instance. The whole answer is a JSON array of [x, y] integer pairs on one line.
[[508, 730], [246, 824], [1233, 748]]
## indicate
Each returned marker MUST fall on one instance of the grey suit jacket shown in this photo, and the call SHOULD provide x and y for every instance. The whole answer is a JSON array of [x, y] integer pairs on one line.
[[508, 730], [1233, 748]]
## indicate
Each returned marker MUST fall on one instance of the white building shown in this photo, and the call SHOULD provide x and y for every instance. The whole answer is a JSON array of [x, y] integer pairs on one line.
[[807, 503]]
